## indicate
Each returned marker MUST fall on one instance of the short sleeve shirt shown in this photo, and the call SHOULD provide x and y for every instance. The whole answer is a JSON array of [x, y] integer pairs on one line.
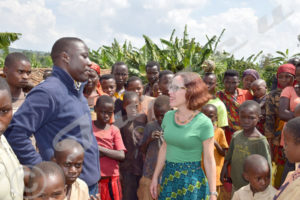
[[110, 139], [241, 147], [222, 112], [290, 93], [184, 142]]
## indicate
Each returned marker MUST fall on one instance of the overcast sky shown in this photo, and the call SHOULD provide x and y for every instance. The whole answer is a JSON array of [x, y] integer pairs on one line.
[[251, 25]]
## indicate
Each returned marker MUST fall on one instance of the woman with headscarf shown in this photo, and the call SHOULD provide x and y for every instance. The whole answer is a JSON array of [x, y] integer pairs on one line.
[[273, 126], [249, 76], [92, 90]]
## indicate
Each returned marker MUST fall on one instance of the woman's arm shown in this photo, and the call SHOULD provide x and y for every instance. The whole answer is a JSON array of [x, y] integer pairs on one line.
[[210, 165], [284, 109], [114, 154], [159, 166]]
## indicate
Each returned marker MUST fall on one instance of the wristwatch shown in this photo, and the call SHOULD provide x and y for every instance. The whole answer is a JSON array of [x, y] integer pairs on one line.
[[214, 193]]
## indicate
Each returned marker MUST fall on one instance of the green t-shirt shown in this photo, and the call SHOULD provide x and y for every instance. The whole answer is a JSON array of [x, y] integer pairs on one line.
[[184, 142], [241, 147], [222, 112]]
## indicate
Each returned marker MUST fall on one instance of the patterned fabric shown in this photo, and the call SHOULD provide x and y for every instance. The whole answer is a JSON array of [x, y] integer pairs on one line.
[[273, 125], [183, 181], [232, 105]]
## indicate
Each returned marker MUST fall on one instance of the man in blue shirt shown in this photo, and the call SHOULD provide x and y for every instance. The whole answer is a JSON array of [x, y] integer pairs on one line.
[[56, 109]]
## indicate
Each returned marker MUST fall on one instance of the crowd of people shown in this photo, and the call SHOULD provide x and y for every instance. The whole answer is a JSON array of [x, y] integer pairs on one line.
[[80, 134]]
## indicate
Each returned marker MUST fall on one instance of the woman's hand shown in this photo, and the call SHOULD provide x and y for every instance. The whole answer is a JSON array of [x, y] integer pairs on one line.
[[153, 188]]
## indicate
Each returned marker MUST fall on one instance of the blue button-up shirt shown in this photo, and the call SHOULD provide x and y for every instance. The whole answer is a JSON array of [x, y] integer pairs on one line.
[[54, 110]]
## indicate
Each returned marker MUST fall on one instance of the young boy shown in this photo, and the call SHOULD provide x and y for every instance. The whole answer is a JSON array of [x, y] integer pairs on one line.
[[220, 146], [259, 89], [164, 80], [244, 143], [135, 84], [210, 80], [11, 179], [17, 69], [111, 147], [46, 181], [132, 133], [232, 97], [150, 145], [152, 72], [120, 72], [290, 188], [69, 155], [257, 172], [108, 84]]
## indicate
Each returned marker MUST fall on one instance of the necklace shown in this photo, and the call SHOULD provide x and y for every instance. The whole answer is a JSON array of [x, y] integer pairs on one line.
[[188, 119]]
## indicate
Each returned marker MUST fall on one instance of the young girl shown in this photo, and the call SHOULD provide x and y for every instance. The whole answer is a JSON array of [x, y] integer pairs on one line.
[[244, 143], [111, 149]]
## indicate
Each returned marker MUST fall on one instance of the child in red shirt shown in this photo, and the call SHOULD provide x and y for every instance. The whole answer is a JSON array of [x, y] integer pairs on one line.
[[111, 147]]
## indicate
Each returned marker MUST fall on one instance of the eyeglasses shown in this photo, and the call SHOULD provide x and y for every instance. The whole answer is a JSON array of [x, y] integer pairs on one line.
[[175, 88]]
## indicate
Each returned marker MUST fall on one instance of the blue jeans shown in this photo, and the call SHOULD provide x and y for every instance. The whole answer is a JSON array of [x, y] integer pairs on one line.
[[93, 189]]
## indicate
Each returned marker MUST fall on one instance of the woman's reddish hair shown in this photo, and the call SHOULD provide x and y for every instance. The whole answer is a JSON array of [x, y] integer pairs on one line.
[[197, 93]]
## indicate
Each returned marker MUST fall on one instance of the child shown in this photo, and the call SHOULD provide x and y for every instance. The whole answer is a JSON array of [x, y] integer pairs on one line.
[[150, 145], [244, 143], [11, 179], [47, 181], [108, 84], [232, 97], [249, 75], [132, 133], [69, 155], [135, 84], [220, 146], [152, 72], [111, 149], [257, 172], [259, 89], [290, 188], [120, 72], [210, 80], [17, 69], [164, 80]]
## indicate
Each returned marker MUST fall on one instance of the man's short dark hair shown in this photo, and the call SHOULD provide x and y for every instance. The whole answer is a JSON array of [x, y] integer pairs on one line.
[[14, 57], [106, 77], [231, 73], [164, 73], [153, 64], [63, 45], [104, 99], [293, 127], [117, 64]]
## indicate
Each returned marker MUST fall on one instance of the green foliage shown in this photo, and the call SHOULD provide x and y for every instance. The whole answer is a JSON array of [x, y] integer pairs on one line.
[[6, 39]]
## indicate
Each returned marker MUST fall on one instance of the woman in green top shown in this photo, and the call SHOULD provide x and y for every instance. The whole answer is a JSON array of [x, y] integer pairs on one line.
[[187, 132]]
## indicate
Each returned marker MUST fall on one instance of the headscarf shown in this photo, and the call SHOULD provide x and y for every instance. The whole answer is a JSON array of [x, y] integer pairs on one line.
[[96, 67], [289, 68], [251, 72]]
